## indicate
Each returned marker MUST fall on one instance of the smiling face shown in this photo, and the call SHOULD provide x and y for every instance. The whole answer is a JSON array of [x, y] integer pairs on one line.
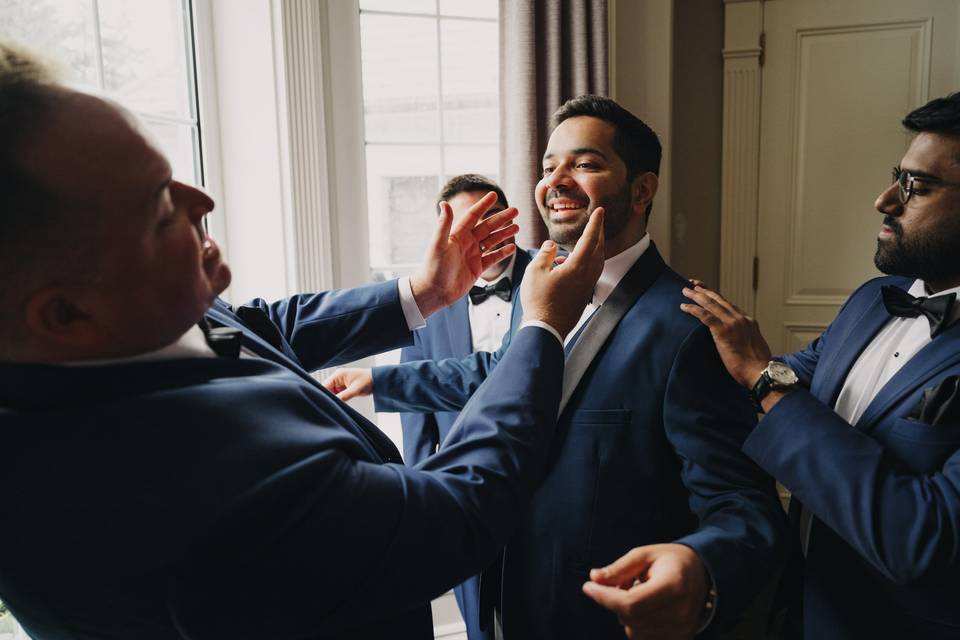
[[921, 239], [153, 272], [582, 171]]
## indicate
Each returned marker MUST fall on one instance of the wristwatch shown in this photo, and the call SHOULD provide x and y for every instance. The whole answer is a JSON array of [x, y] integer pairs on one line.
[[776, 376]]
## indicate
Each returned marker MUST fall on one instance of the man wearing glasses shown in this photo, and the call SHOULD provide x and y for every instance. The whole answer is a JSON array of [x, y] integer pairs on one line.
[[863, 426]]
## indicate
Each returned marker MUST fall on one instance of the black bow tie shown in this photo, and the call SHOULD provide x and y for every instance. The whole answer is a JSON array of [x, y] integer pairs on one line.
[[937, 309], [225, 341], [501, 288]]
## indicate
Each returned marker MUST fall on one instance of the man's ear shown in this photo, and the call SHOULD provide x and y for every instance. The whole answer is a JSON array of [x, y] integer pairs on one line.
[[643, 190], [56, 317]]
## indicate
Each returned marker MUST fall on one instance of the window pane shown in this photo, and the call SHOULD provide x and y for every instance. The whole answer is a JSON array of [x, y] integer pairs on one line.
[[482, 159], [471, 110], [400, 6], [59, 29], [402, 185], [469, 8], [144, 55], [399, 78], [179, 144]]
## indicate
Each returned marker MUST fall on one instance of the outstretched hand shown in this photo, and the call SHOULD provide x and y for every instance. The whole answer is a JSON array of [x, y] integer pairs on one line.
[[350, 382], [657, 591], [743, 349], [459, 253]]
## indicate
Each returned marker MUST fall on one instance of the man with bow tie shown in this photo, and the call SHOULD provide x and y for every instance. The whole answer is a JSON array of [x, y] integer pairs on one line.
[[863, 426], [476, 322], [169, 479]]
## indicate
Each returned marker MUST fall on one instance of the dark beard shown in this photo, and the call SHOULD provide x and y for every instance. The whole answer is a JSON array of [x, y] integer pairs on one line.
[[929, 258], [617, 214]]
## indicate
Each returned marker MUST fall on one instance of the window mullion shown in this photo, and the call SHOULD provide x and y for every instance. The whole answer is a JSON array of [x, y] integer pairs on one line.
[[443, 158], [98, 45]]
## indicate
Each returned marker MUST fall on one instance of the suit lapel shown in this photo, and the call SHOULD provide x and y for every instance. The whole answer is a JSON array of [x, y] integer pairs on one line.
[[458, 327], [852, 343], [942, 352]]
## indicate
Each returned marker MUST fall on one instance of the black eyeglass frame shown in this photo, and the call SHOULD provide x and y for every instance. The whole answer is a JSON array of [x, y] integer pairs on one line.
[[906, 183]]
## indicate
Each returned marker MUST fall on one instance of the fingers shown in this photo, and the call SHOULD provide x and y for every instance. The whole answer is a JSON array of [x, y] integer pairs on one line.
[[591, 241], [499, 236], [612, 598], [487, 226], [624, 569], [493, 257], [474, 213], [721, 311], [444, 222], [353, 390], [545, 257], [334, 382]]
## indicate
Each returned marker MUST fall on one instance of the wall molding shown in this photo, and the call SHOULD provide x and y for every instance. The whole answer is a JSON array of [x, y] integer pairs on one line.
[[309, 230], [741, 150]]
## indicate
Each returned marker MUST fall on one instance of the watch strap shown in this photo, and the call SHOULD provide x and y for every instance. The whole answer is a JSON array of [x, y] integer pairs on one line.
[[760, 390]]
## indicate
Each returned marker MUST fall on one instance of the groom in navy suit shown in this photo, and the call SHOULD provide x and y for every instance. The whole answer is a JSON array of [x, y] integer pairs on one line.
[[171, 469], [652, 425], [863, 426]]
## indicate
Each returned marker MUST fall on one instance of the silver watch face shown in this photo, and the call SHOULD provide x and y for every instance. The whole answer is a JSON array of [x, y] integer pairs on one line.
[[781, 374]]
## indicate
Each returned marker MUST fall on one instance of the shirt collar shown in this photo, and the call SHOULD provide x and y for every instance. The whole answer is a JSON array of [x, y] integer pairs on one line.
[[191, 344], [616, 267], [506, 273]]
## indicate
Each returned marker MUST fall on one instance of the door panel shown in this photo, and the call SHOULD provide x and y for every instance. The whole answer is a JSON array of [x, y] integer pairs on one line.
[[838, 77]]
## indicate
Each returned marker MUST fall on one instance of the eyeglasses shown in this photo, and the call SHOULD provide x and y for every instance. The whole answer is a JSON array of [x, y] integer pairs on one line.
[[907, 183]]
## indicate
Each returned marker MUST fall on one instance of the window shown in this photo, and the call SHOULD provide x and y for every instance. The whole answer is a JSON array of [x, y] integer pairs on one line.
[[137, 53], [431, 111]]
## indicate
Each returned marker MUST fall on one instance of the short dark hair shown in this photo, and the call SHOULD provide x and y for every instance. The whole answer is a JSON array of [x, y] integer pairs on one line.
[[941, 115], [468, 182], [634, 141]]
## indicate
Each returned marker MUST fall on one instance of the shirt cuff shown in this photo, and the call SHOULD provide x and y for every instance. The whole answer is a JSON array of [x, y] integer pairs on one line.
[[543, 325], [409, 305]]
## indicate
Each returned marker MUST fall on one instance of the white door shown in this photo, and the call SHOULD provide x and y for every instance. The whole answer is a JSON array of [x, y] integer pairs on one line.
[[837, 78]]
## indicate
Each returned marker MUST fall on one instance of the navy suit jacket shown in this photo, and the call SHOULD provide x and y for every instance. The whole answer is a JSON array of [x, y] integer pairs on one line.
[[237, 498], [884, 550], [447, 335], [648, 452]]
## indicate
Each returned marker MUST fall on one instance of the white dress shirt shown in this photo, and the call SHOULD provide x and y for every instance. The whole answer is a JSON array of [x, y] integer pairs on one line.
[[490, 320], [898, 341], [613, 271]]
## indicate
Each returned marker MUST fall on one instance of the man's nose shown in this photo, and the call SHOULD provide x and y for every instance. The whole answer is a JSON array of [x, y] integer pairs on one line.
[[196, 201], [558, 179], [888, 202]]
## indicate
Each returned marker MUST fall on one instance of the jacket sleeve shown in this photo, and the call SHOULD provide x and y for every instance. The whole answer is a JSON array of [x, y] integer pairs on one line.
[[904, 523], [434, 385], [421, 433], [742, 530], [327, 539], [336, 327]]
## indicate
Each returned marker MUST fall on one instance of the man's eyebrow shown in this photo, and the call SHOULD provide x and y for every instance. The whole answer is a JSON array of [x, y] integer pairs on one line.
[[163, 185], [917, 173], [579, 151]]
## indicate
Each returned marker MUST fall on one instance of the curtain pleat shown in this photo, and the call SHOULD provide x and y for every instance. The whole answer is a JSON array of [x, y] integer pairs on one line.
[[550, 51]]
